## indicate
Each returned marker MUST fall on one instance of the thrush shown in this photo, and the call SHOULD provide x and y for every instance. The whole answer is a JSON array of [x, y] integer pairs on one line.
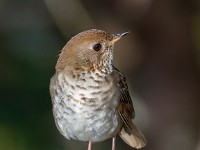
[[90, 97]]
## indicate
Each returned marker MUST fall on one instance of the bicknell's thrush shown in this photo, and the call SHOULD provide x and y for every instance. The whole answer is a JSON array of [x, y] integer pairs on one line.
[[90, 96]]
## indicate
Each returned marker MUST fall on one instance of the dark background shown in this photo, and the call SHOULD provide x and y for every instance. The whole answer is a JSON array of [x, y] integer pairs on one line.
[[161, 59]]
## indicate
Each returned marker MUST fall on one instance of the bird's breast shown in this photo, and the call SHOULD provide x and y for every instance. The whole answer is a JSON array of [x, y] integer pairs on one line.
[[90, 89], [86, 106]]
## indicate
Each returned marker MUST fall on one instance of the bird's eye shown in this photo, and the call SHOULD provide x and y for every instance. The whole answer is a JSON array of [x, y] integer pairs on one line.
[[97, 47]]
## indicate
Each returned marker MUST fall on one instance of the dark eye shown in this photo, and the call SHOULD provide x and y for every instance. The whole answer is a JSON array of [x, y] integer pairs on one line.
[[97, 47]]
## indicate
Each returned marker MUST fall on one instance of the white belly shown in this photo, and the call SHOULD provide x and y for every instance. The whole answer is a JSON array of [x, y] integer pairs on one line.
[[80, 116]]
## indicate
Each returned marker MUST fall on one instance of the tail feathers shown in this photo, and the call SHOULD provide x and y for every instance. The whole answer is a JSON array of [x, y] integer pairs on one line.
[[136, 139]]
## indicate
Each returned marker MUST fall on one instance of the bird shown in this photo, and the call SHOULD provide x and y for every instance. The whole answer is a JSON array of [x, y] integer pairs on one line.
[[90, 97]]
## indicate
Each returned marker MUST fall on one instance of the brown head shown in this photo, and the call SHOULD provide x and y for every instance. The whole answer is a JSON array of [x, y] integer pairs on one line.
[[89, 48]]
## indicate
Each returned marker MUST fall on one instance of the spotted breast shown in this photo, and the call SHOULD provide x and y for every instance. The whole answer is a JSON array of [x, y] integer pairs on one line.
[[84, 104]]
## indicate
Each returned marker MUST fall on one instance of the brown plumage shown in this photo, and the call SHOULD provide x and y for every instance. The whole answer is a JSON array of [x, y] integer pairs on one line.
[[129, 133], [90, 96]]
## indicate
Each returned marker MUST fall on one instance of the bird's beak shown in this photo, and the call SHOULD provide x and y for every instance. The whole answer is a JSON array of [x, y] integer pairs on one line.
[[117, 37]]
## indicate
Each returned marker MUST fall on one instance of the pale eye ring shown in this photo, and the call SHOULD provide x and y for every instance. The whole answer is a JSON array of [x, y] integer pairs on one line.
[[97, 47]]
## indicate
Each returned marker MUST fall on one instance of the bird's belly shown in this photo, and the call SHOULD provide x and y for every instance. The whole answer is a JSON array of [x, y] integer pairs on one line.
[[98, 127], [94, 124], [87, 111]]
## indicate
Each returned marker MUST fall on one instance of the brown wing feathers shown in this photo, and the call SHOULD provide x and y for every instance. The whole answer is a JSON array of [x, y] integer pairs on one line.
[[129, 133]]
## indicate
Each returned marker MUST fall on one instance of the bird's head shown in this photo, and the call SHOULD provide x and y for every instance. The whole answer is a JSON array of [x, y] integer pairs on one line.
[[89, 48]]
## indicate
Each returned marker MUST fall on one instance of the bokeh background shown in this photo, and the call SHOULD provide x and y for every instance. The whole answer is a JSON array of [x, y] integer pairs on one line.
[[161, 59]]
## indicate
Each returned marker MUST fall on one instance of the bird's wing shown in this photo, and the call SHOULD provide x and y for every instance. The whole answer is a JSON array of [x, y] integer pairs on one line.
[[129, 132], [125, 109]]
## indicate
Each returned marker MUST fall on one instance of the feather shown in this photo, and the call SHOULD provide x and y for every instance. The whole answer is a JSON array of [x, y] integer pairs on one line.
[[136, 139], [129, 132]]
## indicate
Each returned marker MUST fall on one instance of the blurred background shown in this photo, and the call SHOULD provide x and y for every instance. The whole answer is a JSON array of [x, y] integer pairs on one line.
[[160, 58]]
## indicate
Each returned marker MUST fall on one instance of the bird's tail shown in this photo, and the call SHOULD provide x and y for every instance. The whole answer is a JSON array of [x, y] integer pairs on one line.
[[134, 138]]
